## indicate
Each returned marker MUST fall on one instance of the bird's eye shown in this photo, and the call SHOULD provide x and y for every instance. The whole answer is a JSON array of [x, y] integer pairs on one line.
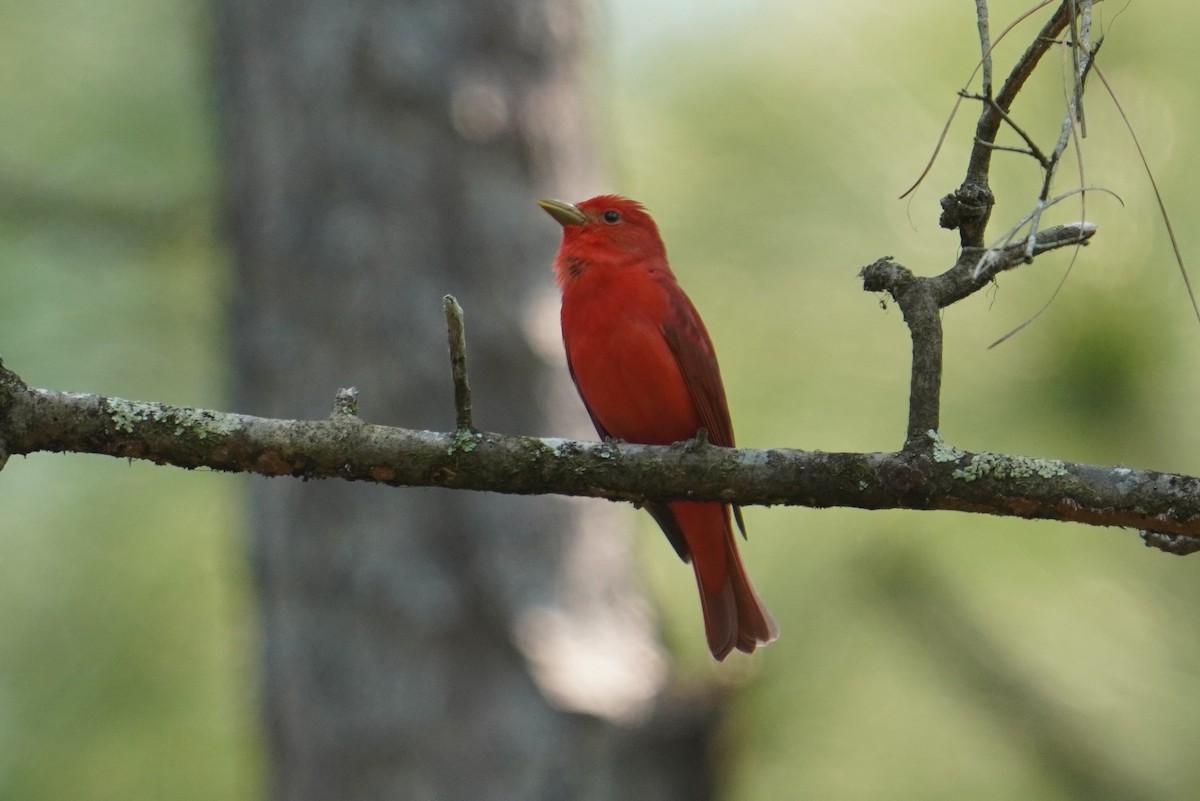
[[612, 216]]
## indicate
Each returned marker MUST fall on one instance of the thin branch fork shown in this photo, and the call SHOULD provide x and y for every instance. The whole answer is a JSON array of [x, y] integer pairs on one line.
[[1031, 147], [991, 116], [968, 209], [922, 299], [345, 447]]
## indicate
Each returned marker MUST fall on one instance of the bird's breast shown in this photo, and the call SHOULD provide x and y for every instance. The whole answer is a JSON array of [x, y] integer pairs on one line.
[[622, 364]]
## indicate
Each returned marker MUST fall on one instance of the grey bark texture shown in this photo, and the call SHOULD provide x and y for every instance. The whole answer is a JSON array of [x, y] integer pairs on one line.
[[380, 155]]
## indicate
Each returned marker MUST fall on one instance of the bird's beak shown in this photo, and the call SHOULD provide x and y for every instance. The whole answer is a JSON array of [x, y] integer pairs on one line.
[[566, 213]]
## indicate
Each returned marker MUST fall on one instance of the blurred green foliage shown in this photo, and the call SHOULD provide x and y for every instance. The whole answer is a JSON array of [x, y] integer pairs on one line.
[[923, 656], [126, 641]]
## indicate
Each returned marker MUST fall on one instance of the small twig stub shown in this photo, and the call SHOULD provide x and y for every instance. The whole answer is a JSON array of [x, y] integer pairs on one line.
[[456, 332]]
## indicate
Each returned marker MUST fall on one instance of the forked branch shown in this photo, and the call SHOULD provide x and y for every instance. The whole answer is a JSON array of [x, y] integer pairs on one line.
[[969, 208]]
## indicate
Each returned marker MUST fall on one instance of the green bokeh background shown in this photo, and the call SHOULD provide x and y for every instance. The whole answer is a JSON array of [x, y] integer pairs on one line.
[[923, 656]]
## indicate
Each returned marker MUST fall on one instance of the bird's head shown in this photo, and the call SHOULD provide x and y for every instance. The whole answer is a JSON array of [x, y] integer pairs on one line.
[[607, 229]]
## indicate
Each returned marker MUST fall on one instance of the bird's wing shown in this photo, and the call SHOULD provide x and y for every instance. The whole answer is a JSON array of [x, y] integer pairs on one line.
[[688, 340], [689, 343]]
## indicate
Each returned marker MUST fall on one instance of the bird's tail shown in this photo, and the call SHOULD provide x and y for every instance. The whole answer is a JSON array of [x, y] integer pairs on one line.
[[734, 617]]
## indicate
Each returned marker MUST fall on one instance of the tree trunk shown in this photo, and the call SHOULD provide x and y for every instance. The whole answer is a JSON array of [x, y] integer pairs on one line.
[[380, 155]]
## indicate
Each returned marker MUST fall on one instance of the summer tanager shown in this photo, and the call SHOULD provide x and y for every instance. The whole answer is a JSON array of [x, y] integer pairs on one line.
[[647, 372]]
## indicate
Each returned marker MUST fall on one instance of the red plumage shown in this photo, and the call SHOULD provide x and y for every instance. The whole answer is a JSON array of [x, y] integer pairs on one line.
[[647, 372]]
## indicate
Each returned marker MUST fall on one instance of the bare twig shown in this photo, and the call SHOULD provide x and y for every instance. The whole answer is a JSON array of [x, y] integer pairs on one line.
[[1074, 108], [458, 363], [990, 118], [937, 149], [1082, 182], [1033, 149], [1081, 24], [1001, 256], [985, 45]]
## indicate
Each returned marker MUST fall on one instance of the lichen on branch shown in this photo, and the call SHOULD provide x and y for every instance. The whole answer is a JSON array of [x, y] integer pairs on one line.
[[345, 447]]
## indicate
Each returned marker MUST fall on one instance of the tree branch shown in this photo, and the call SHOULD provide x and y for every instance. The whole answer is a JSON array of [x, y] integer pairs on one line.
[[345, 447], [922, 299], [926, 473], [968, 209]]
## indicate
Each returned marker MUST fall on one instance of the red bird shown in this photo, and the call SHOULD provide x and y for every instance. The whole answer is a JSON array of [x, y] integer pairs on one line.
[[647, 372]]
